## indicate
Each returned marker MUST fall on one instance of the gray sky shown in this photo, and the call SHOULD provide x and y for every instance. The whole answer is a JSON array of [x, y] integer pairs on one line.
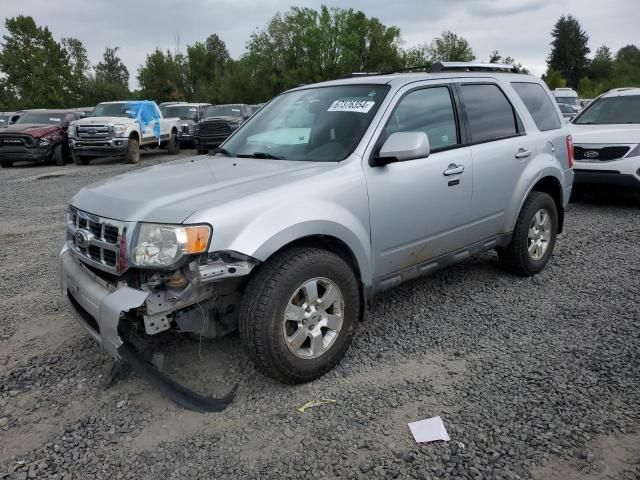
[[519, 28]]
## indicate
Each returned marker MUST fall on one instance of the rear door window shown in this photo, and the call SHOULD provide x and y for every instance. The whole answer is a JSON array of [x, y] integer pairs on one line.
[[539, 105], [490, 115]]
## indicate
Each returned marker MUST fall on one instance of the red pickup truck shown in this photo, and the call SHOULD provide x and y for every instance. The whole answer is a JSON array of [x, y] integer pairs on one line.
[[38, 136]]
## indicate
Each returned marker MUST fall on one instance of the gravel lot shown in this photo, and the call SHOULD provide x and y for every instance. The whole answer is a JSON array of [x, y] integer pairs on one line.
[[534, 378]]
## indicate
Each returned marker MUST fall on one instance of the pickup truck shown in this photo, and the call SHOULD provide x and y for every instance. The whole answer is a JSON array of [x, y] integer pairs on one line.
[[38, 136], [122, 129]]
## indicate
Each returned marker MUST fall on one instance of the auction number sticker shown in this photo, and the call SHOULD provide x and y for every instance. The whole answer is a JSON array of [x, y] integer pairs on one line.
[[347, 105]]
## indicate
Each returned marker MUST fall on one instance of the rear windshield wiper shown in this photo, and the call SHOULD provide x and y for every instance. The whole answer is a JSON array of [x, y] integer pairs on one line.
[[265, 155]]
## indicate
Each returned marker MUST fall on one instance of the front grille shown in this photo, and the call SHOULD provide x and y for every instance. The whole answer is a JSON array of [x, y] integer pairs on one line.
[[603, 154], [95, 240], [93, 132], [16, 140], [215, 127]]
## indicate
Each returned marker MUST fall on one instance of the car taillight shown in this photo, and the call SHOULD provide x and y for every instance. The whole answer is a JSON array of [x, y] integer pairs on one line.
[[570, 150]]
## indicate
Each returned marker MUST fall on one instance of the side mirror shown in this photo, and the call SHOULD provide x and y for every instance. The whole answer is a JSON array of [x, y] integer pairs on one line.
[[402, 146]]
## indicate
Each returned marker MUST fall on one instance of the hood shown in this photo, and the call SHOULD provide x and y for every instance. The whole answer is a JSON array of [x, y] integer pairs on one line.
[[102, 120], [171, 192], [34, 129], [224, 119], [586, 134]]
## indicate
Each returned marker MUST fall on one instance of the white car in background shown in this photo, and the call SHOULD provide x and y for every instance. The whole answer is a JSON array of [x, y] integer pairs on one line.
[[606, 139], [568, 96]]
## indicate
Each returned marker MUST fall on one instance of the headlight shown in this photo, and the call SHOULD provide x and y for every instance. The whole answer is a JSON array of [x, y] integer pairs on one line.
[[163, 245], [635, 152], [71, 131], [118, 130], [44, 141]]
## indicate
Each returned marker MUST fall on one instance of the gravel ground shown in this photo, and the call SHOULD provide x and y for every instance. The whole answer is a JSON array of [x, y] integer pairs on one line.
[[534, 378]]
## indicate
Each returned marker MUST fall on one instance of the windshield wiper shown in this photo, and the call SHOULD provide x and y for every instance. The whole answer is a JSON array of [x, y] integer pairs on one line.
[[265, 155], [223, 151]]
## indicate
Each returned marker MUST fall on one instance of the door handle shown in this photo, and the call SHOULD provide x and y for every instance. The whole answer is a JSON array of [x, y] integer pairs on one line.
[[523, 153], [453, 169]]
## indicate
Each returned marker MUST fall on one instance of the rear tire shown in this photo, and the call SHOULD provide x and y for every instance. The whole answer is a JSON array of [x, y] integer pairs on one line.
[[173, 145], [79, 160], [58, 155], [284, 283], [6, 163], [533, 238], [133, 151]]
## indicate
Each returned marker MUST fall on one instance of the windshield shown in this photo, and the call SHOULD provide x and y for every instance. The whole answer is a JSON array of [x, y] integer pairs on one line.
[[42, 117], [183, 112], [323, 124], [611, 110], [224, 111], [568, 100], [564, 108], [111, 110]]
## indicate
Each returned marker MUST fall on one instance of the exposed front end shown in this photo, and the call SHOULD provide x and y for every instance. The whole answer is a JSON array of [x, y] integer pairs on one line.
[[126, 280], [19, 147]]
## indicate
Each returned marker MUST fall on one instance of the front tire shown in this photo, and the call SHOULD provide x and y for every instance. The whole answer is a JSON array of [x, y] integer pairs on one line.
[[299, 314], [533, 238], [173, 145], [133, 151], [58, 155]]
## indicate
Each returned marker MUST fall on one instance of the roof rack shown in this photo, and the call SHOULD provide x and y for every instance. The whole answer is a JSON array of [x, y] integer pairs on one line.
[[471, 67]]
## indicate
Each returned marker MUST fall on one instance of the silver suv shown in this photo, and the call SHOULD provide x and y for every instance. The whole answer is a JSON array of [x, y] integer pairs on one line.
[[328, 195]]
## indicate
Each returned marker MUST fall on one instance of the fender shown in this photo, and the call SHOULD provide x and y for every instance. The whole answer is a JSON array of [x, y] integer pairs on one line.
[[281, 225]]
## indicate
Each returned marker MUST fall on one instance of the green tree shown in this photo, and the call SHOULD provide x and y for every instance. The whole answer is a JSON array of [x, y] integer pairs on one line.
[[495, 57], [305, 45], [162, 77], [35, 67], [111, 79], [449, 47], [601, 67], [80, 70], [553, 79], [569, 50], [205, 65]]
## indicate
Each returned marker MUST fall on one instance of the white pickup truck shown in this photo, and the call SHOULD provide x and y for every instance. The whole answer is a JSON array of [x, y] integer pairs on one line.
[[122, 129]]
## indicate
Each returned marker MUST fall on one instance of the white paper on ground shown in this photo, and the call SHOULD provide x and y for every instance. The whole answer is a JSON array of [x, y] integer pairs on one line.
[[429, 430]]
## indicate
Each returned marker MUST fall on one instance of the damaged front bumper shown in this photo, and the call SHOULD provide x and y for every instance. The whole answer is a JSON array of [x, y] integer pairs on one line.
[[100, 306]]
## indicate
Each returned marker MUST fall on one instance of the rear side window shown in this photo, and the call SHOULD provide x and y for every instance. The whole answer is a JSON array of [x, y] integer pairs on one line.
[[428, 110], [490, 114], [539, 105]]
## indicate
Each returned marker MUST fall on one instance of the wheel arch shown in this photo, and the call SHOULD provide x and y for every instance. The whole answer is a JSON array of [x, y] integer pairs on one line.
[[134, 135], [551, 186]]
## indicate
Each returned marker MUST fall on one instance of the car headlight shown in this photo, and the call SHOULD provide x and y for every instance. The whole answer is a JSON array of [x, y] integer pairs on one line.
[[71, 131], [118, 130], [43, 142], [159, 245]]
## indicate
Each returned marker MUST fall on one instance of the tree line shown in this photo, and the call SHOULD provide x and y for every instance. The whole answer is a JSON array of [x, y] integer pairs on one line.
[[569, 65], [299, 46]]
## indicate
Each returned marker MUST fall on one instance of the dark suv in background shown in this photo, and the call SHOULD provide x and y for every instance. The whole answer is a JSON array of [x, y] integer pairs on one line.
[[37, 136], [217, 124], [189, 114]]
